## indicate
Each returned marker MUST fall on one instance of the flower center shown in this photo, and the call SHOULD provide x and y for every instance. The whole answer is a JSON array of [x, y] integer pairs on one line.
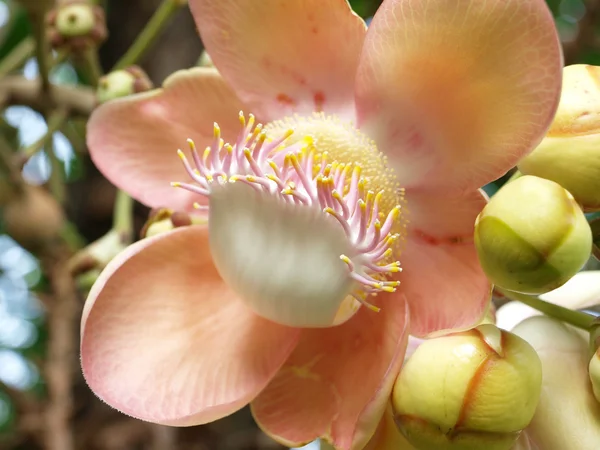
[[314, 195]]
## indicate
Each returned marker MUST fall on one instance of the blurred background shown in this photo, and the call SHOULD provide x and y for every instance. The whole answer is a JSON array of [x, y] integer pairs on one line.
[[42, 392]]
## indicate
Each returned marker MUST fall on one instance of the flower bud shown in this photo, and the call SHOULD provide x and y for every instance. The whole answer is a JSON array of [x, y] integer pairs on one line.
[[98, 254], [162, 220], [205, 60], [568, 416], [121, 83], [594, 370], [33, 218], [570, 153], [470, 390], [76, 25], [532, 236]]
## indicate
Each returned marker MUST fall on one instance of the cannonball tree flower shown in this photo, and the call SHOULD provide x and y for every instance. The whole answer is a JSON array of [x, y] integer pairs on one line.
[[307, 193]]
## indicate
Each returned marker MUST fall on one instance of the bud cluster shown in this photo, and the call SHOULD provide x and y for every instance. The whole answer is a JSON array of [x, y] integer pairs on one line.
[[76, 26]]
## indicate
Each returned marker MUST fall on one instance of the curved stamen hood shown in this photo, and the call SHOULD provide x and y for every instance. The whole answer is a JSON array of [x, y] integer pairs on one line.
[[303, 217]]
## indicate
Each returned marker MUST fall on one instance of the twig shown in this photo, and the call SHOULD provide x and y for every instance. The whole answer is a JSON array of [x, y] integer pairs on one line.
[[16, 90], [150, 33], [123, 217], [37, 15], [164, 438], [9, 166], [62, 351], [17, 57], [56, 183]]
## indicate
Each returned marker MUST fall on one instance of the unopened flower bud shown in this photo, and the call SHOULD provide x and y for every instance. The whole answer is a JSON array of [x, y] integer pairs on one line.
[[568, 415], [594, 370], [532, 236], [570, 153], [470, 390], [205, 60], [98, 254], [162, 220], [33, 218], [121, 83], [76, 25]]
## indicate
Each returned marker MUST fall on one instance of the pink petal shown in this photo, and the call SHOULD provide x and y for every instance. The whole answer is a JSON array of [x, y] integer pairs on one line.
[[134, 140], [165, 340], [337, 382], [441, 277], [457, 91], [284, 56]]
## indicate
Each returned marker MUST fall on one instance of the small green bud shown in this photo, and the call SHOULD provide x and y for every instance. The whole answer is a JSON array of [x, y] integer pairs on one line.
[[76, 25], [114, 85], [98, 254], [570, 153], [121, 83], [532, 237], [594, 370], [205, 60], [162, 220], [473, 390], [76, 19]]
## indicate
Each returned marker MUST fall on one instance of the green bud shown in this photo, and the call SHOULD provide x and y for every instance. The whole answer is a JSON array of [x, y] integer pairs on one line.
[[162, 220], [121, 83], [205, 60], [473, 390], [532, 237], [98, 254], [114, 85], [570, 153], [76, 25], [75, 20]]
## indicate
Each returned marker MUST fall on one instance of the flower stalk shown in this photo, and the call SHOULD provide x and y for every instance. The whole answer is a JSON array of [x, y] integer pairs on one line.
[[150, 33], [17, 57], [576, 318]]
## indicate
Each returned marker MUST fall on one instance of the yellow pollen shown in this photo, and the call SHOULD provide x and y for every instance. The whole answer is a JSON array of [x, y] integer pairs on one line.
[[338, 143]]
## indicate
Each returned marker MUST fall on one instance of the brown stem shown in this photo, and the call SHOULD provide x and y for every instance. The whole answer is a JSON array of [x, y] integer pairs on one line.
[[62, 351], [164, 438], [9, 166], [37, 11], [16, 90]]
